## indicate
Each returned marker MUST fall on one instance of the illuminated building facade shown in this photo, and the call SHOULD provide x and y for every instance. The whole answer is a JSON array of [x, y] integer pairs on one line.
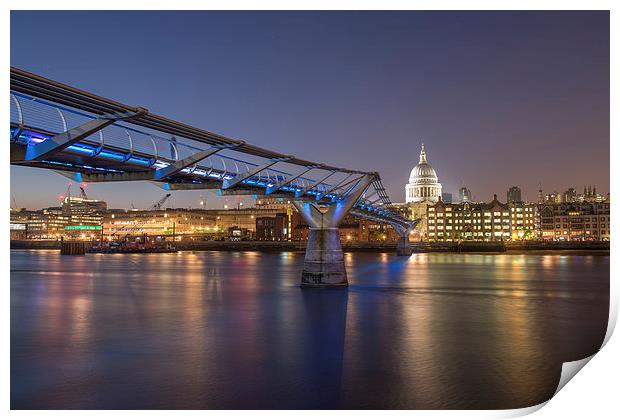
[[553, 198], [575, 221], [414, 211], [468, 221], [352, 229], [189, 222], [274, 204], [245, 218], [591, 196], [127, 223], [48, 223], [570, 195], [84, 217], [18, 226], [524, 221]]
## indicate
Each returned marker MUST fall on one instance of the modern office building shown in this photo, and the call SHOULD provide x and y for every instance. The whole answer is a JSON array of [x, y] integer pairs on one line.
[[19, 221], [465, 195], [591, 196], [570, 195], [553, 198], [83, 217], [513, 195]]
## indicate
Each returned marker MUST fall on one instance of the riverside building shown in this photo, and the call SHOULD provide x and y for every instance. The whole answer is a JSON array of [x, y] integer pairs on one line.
[[524, 221], [119, 224], [468, 221], [83, 217], [575, 221]]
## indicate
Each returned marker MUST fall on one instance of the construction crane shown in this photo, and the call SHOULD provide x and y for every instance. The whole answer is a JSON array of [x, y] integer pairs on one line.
[[157, 206], [83, 191], [67, 193]]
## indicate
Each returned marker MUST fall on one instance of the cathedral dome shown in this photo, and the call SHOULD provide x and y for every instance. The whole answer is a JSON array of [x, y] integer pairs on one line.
[[423, 173], [423, 182]]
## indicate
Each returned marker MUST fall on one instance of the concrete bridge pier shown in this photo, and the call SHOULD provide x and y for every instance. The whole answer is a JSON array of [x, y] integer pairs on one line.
[[324, 260], [402, 245]]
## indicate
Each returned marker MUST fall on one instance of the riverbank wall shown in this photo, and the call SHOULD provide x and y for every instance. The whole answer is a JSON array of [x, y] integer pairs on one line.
[[359, 246]]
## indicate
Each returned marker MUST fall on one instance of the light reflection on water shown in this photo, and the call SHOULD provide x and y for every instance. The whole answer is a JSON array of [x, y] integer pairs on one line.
[[234, 330]]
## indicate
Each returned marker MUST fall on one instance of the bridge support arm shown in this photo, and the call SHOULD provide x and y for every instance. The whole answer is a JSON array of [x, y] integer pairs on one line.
[[324, 260], [179, 165], [230, 183], [287, 181], [314, 185]]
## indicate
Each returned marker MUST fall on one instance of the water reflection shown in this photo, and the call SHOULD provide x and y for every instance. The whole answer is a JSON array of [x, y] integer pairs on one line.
[[234, 330]]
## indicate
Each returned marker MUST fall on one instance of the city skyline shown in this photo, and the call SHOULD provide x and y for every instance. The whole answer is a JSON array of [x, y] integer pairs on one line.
[[490, 120]]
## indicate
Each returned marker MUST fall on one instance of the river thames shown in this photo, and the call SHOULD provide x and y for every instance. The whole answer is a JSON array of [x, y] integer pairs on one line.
[[199, 330]]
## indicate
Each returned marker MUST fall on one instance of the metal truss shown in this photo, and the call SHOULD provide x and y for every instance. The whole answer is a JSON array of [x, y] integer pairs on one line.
[[92, 151]]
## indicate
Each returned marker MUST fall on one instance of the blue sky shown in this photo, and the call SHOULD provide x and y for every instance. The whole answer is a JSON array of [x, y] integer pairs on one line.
[[499, 98]]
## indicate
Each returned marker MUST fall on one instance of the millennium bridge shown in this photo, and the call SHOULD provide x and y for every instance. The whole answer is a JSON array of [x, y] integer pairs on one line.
[[89, 138]]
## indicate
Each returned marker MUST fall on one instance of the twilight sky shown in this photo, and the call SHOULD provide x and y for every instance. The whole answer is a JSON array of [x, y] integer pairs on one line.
[[499, 98]]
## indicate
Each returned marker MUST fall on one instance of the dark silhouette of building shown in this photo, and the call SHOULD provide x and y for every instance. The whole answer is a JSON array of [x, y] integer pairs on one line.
[[570, 195], [513, 195], [465, 195], [272, 228]]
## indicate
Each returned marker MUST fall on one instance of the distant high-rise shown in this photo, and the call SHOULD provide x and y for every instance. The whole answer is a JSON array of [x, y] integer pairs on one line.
[[590, 196], [570, 195], [553, 198], [513, 195], [540, 195], [464, 195], [446, 197]]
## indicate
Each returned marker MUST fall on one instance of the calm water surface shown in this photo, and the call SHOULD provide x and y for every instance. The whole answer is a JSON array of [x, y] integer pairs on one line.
[[234, 330]]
